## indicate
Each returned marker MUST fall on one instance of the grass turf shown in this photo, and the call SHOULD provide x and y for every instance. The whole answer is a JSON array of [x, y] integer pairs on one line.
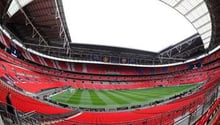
[[115, 98]]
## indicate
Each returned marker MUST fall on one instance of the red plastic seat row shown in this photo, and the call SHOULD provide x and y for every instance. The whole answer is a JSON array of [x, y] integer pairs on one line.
[[41, 82], [28, 80], [86, 76], [205, 117], [24, 103]]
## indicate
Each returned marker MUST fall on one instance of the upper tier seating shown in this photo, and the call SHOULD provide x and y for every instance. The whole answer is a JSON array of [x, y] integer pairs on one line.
[[52, 72], [123, 70]]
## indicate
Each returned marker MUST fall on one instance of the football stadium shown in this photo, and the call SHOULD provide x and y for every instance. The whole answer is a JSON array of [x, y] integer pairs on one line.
[[68, 62]]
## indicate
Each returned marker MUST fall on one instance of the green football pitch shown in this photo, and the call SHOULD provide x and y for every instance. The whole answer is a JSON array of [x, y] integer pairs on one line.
[[115, 98]]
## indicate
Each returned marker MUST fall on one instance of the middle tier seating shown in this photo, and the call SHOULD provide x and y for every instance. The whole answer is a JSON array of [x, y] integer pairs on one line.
[[35, 82]]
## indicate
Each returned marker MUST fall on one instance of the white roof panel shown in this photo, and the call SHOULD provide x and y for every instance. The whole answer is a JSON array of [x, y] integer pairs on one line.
[[16, 5], [196, 12]]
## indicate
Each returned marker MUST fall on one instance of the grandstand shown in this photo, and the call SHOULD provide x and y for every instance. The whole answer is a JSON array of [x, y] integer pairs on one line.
[[47, 79]]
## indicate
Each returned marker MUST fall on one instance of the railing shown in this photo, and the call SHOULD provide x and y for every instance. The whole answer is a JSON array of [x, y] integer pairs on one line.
[[188, 119], [36, 116], [17, 117]]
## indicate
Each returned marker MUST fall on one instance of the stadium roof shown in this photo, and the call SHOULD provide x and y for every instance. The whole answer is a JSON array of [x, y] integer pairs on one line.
[[197, 13], [41, 25]]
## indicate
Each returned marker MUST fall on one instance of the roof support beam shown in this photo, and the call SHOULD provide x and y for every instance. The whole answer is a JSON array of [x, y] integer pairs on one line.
[[200, 17], [203, 24], [178, 47], [195, 7], [63, 34], [205, 32], [178, 3], [188, 52], [29, 22], [172, 58], [3, 18], [44, 46], [206, 38]]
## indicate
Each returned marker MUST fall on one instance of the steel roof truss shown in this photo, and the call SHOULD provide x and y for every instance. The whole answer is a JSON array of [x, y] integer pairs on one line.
[[29, 22]]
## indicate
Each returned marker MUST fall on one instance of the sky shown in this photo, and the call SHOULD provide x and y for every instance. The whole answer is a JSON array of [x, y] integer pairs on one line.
[[148, 25]]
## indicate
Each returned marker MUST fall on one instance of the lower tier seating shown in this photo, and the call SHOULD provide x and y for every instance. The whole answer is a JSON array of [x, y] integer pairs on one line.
[[24, 103], [161, 114], [205, 118]]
